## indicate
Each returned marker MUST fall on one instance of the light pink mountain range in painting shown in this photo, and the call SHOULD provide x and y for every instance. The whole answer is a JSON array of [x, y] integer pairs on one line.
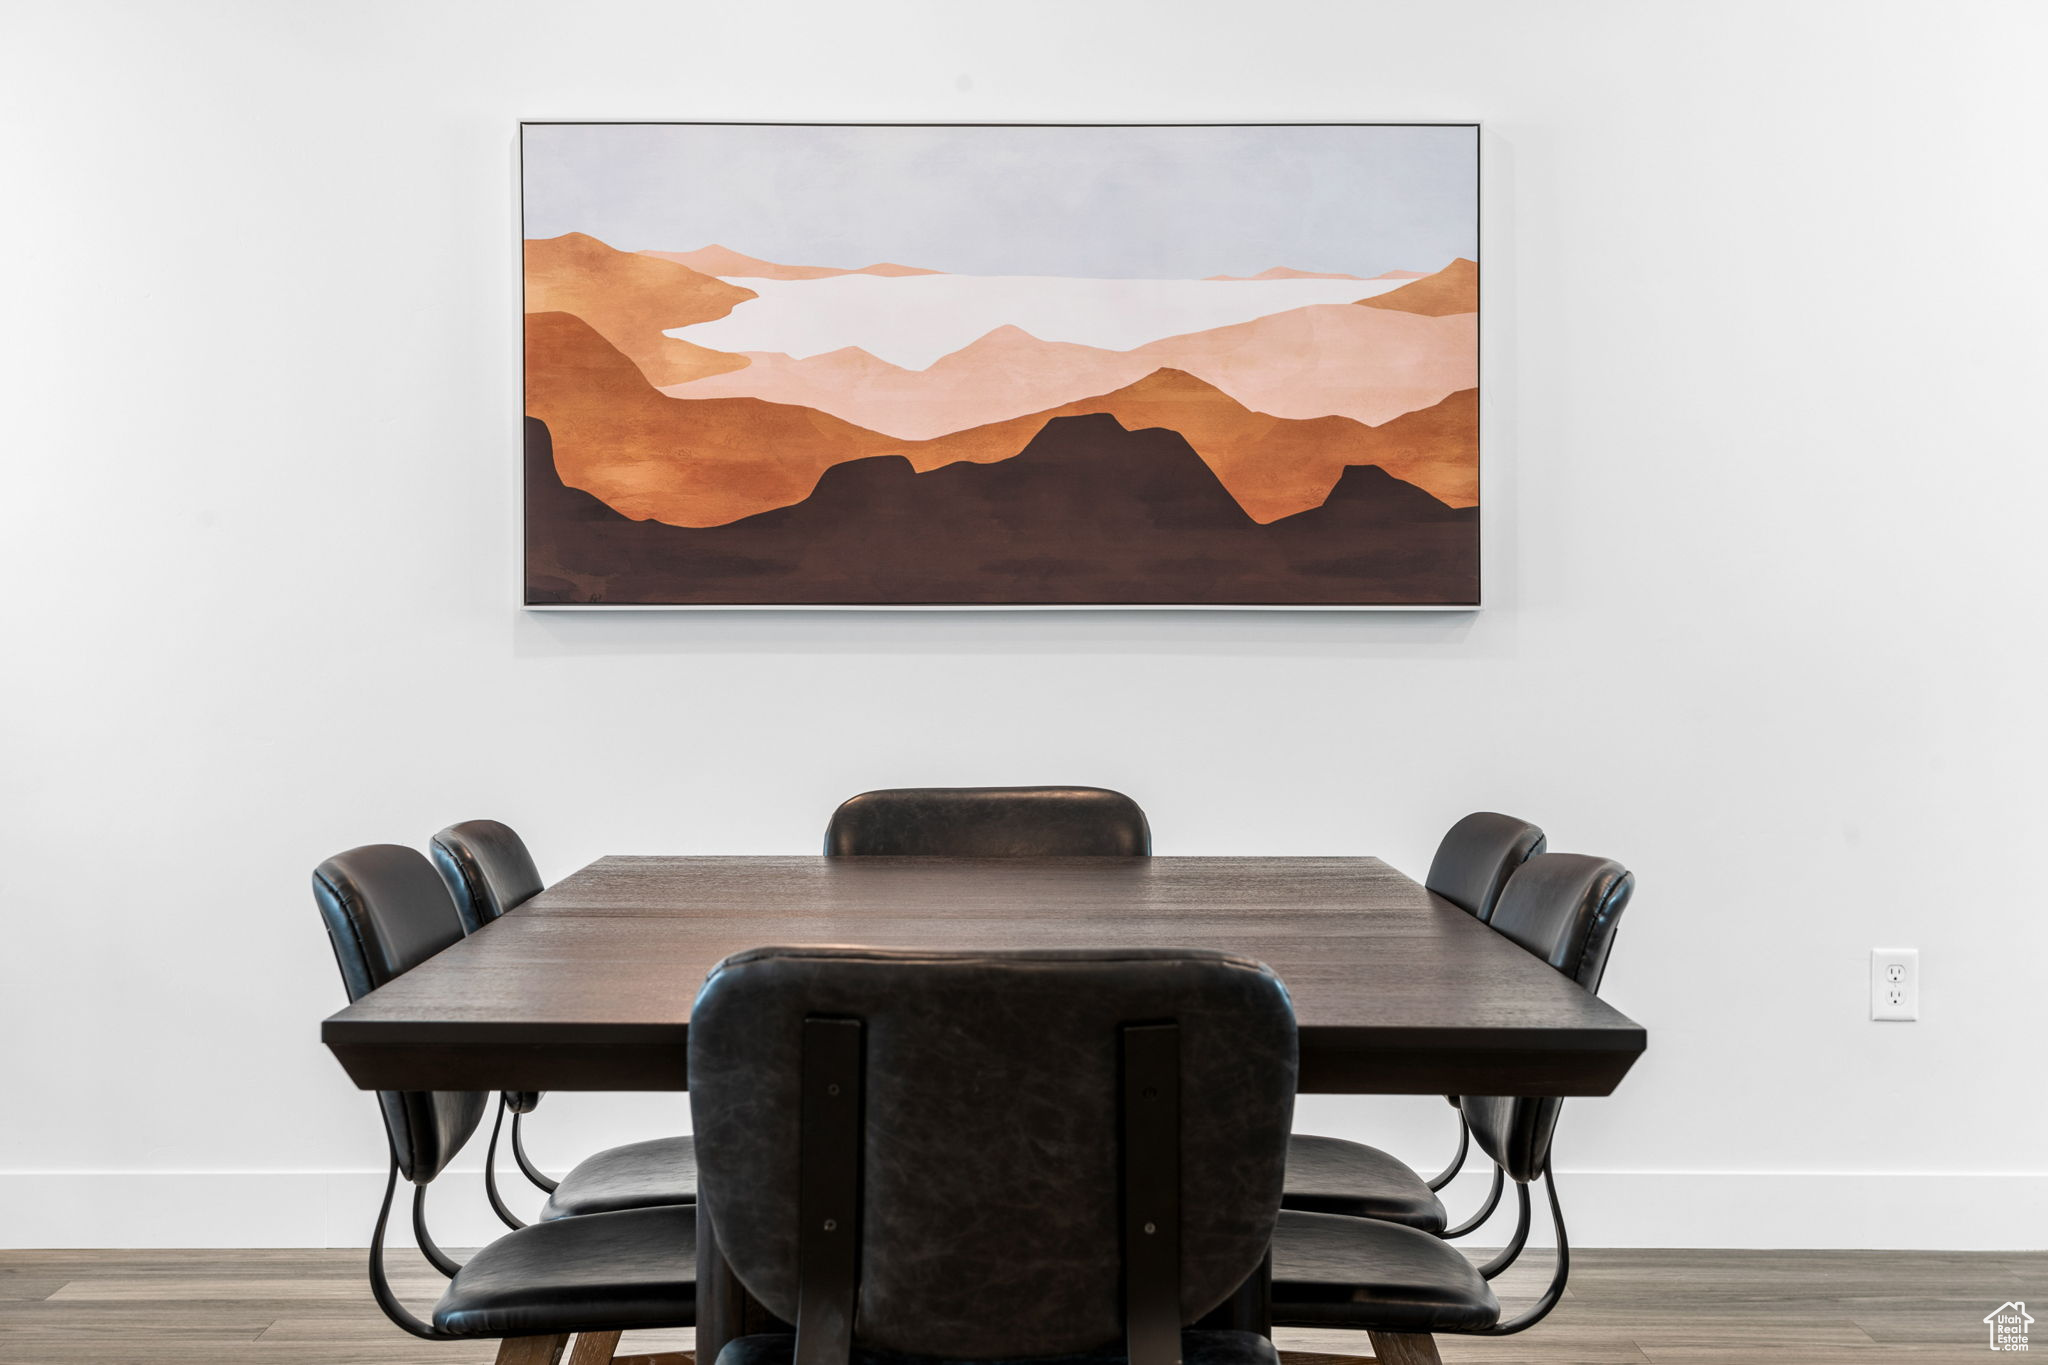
[[724, 261], [1283, 272], [1327, 360]]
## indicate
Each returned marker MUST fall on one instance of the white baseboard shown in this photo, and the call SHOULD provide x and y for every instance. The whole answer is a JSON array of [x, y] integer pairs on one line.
[[241, 1208], [1932, 1211], [1853, 1210]]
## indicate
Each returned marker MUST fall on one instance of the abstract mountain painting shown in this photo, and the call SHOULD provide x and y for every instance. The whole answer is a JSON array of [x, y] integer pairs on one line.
[[917, 365]]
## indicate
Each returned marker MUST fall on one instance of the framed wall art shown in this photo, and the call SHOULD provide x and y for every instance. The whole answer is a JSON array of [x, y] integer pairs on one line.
[[775, 365]]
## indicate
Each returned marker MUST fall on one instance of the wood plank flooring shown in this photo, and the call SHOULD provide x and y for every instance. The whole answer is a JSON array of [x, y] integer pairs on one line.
[[1624, 1308]]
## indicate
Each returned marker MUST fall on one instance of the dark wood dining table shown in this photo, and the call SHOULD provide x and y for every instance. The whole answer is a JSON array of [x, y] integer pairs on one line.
[[589, 985]]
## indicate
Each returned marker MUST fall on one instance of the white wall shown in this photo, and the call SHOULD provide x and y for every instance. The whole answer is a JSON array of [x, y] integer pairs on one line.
[[1764, 350]]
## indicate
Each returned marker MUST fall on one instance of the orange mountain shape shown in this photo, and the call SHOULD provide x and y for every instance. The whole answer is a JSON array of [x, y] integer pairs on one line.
[[1276, 467], [1329, 360], [697, 463], [1454, 289], [1402, 275], [708, 461], [1282, 272], [720, 260], [630, 301], [1319, 361]]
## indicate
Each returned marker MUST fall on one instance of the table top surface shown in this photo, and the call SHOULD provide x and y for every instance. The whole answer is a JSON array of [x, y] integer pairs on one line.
[[589, 985]]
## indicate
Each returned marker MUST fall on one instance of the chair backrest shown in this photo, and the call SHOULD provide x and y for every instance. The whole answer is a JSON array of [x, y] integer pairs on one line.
[[1476, 858], [487, 868], [1563, 907], [387, 911], [986, 1144], [990, 822]]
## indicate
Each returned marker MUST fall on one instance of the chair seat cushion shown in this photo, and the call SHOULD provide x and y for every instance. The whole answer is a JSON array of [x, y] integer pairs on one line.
[[1333, 1271], [639, 1175], [607, 1272], [1330, 1175], [1197, 1348]]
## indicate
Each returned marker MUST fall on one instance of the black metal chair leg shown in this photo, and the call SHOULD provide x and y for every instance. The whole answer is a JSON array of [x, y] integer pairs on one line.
[[505, 1215], [1541, 1309], [533, 1172], [1485, 1210], [380, 1284], [1444, 1177], [1515, 1244], [436, 1257]]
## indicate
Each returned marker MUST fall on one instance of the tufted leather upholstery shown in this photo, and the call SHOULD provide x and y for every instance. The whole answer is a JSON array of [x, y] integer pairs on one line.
[[1197, 1348], [1476, 858], [638, 1175], [487, 868], [990, 822], [1332, 1175], [488, 871], [1330, 1271], [386, 912], [1563, 907], [991, 1210], [611, 1272]]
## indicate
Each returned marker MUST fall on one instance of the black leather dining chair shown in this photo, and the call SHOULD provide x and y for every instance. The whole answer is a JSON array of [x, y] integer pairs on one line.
[[386, 911], [989, 822], [1476, 858], [489, 871], [1401, 1285], [992, 1156], [1335, 1175], [1324, 1174]]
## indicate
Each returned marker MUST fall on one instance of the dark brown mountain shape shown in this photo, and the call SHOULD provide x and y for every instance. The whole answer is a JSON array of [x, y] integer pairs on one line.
[[1087, 513]]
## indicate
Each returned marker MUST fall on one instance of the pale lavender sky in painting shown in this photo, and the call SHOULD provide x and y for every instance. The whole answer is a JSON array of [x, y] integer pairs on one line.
[[1143, 203]]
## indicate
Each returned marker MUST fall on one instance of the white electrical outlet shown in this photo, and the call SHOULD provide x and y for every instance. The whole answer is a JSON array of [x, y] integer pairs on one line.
[[1895, 983]]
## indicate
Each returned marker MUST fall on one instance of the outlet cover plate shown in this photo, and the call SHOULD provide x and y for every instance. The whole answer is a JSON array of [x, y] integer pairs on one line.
[[1895, 984]]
